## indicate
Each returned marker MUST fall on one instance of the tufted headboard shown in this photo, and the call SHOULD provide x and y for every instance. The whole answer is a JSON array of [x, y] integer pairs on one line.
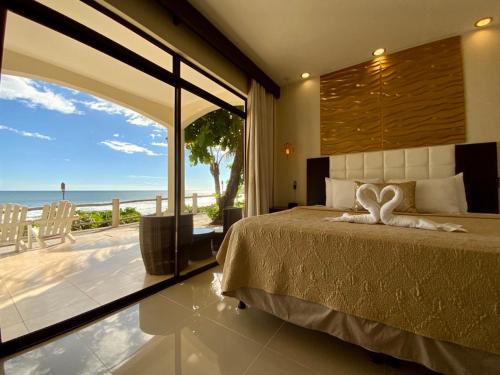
[[477, 161], [409, 163]]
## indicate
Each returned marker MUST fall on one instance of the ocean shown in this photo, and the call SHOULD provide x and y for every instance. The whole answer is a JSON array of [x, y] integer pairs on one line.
[[39, 198]]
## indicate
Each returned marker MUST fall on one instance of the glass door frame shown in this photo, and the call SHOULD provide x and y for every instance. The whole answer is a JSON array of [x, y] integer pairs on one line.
[[56, 21]]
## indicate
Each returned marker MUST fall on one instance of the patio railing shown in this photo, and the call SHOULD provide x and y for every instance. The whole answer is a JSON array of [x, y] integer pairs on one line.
[[116, 203]]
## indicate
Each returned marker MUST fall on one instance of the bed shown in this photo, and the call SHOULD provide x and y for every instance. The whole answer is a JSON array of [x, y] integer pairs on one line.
[[425, 296]]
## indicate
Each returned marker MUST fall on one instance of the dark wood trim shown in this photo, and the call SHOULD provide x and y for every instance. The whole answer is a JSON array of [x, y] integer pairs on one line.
[[212, 78], [211, 98], [3, 26], [157, 43], [478, 162], [115, 17], [177, 164], [36, 337], [197, 22], [317, 170]]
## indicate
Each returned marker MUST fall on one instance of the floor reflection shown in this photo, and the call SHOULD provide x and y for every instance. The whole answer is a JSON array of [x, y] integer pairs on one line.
[[164, 334]]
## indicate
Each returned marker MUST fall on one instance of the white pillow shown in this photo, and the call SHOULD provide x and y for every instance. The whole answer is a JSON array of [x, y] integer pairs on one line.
[[341, 194], [440, 195]]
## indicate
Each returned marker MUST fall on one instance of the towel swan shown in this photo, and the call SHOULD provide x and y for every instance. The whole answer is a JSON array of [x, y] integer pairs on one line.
[[373, 207], [387, 217]]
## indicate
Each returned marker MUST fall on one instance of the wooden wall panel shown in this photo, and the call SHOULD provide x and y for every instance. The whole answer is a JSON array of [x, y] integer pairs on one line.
[[408, 99], [350, 117]]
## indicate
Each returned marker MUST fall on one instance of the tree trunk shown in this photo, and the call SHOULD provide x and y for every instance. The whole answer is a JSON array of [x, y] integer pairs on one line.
[[227, 200], [214, 171]]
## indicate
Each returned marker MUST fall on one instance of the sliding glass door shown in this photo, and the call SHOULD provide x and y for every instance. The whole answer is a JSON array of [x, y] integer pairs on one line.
[[212, 168], [74, 117], [138, 149]]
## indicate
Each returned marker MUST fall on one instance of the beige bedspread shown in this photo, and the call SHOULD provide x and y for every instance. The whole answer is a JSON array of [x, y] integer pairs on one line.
[[440, 285]]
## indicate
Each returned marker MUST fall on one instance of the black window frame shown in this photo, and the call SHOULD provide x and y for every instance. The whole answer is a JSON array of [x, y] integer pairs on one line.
[[56, 21]]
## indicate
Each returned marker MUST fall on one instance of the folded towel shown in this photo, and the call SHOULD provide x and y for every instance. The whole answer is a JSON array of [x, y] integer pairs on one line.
[[385, 215], [388, 218], [371, 205]]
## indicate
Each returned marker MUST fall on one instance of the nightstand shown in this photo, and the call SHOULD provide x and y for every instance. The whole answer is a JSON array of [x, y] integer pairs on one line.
[[282, 208], [277, 209]]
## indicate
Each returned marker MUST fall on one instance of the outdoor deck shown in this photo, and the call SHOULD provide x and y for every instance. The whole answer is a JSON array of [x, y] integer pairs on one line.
[[41, 287]]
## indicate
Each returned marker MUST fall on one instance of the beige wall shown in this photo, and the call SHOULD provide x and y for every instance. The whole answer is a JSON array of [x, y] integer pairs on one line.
[[298, 112], [152, 17], [481, 50], [297, 115]]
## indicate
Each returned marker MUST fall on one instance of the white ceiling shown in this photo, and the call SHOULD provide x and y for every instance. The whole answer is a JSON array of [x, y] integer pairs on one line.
[[288, 37]]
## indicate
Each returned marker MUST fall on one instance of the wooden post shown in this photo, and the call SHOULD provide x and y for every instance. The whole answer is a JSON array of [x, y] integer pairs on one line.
[[30, 238], [195, 203], [158, 205], [115, 218]]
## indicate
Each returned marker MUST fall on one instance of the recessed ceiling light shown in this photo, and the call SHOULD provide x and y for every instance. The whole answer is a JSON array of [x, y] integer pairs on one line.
[[378, 52], [483, 22], [305, 75]]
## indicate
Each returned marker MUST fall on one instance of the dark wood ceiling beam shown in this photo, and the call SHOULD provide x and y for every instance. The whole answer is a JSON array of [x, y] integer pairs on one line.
[[184, 12]]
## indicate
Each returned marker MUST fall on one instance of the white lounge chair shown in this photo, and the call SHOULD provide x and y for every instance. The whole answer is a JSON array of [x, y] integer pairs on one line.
[[55, 222], [12, 223]]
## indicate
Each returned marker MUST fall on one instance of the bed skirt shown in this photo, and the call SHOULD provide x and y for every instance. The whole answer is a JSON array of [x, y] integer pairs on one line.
[[440, 356]]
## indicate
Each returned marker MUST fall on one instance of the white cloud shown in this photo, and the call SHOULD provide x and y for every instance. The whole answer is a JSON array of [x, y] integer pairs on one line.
[[114, 109], [26, 134], [34, 94], [116, 135], [137, 119], [159, 144], [128, 148]]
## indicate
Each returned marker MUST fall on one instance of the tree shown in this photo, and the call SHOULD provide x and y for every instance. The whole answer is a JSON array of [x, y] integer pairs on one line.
[[212, 138]]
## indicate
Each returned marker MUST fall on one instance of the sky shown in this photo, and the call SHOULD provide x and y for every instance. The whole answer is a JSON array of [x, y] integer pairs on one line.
[[51, 134]]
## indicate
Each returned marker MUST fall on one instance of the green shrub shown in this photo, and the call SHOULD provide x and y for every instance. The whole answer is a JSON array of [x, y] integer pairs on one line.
[[212, 211], [129, 215], [101, 219]]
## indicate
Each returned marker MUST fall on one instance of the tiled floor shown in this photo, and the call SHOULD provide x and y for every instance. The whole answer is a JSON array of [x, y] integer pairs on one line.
[[41, 287], [44, 286], [191, 329]]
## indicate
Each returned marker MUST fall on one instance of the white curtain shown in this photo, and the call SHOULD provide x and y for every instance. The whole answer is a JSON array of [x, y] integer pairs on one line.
[[259, 150]]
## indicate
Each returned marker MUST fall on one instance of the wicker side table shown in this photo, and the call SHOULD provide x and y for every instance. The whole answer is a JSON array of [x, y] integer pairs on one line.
[[157, 241], [202, 243]]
